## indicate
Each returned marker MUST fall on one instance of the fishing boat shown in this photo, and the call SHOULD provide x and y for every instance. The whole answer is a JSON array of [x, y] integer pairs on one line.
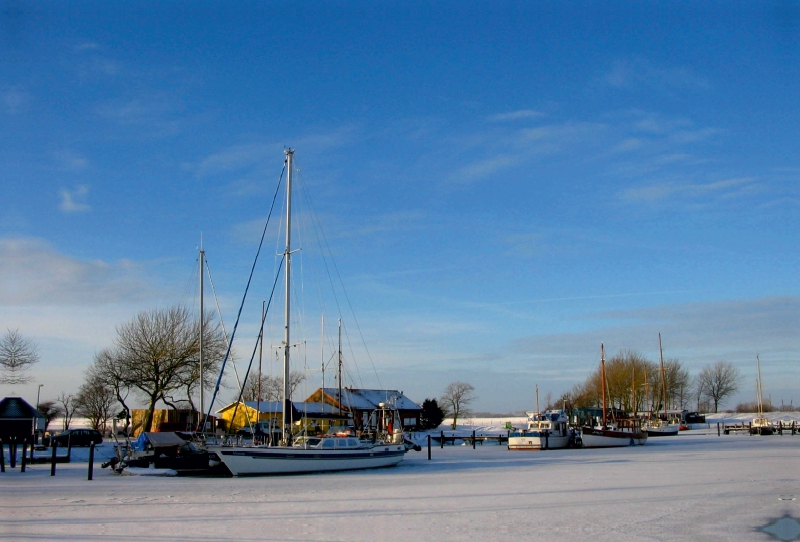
[[621, 432], [659, 427], [760, 425], [546, 430], [381, 446]]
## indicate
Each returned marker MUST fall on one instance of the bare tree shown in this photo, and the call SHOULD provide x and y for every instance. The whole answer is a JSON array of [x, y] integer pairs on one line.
[[717, 382], [159, 352], [17, 354], [50, 410], [95, 401], [456, 400], [271, 386], [109, 371], [67, 409]]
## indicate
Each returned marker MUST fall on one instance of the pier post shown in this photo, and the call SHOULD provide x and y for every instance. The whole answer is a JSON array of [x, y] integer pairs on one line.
[[24, 455], [443, 440], [473, 439], [91, 460], [717, 428], [429, 447], [12, 453], [53, 459], [2, 456]]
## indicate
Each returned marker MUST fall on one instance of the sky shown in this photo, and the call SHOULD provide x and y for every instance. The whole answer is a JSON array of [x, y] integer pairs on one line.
[[503, 186]]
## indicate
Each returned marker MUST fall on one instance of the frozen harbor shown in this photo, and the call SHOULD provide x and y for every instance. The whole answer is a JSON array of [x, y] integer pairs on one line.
[[695, 486]]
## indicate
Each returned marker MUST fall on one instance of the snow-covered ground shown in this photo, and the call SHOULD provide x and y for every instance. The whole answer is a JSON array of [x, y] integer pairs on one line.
[[694, 487]]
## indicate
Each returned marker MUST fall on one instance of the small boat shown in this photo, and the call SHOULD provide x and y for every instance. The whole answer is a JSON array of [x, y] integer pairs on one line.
[[546, 431], [380, 445], [761, 425], [623, 432]]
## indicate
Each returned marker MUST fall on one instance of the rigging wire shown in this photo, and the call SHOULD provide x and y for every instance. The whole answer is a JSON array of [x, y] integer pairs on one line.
[[244, 297]]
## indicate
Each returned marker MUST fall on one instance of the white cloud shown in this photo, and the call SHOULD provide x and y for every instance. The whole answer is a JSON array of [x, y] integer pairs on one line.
[[35, 274], [631, 74], [73, 201]]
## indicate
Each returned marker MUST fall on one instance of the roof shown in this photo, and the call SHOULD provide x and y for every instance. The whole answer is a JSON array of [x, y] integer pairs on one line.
[[17, 408], [369, 399]]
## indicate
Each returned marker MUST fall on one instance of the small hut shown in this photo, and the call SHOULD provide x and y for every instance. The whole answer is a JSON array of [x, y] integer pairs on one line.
[[19, 422]]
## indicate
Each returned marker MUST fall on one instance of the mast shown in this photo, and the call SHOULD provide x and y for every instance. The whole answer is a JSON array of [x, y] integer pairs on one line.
[[633, 390], [663, 377], [603, 380], [287, 430], [322, 360], [202, 397], [538, 412], [341, 410], [758, 390], [260, 358]]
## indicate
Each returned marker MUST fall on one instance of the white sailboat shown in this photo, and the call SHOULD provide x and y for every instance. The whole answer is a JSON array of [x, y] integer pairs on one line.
[[624, 432], [760, 425], [658, 427], [343, 450]]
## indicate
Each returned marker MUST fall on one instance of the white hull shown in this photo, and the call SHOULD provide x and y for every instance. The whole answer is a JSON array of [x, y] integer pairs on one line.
[[609, 438], [255, 460], [663, 431], [536, 442]]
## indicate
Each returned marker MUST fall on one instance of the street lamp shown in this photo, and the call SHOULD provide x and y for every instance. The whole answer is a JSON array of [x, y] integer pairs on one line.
[[37, 395]]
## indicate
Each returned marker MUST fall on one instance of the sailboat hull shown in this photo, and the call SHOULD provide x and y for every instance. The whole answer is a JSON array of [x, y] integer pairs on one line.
[[663, 431], [276, 460], [593, 437], [536, 441]]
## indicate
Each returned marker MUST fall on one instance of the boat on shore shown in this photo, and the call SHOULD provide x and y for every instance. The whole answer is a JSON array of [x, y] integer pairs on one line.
[[659, 427], [622, 432], [760, 425], [381, 444], [545, 431]]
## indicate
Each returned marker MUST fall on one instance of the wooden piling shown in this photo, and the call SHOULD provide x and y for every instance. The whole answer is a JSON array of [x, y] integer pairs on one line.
[[91, 461], [2, 456], [53, 459], [473, 439], [442, 439], [429, 447], [24, 455]]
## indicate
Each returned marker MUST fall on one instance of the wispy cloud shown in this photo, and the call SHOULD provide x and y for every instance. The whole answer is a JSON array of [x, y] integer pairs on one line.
[[636, 73], [14, 100], [73, 201], [34, 273], [521, 114], [663, 191]]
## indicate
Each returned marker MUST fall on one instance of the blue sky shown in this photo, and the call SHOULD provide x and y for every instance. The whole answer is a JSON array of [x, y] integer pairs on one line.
[[504, 185]]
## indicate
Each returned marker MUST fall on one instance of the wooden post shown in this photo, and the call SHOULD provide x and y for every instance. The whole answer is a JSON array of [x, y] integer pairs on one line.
[[442, 439], [53, 458], [69, 448], [24, 455], [2, 456], [429, 447], [473, 439], [717, 428], [91, 460], [12, 453]]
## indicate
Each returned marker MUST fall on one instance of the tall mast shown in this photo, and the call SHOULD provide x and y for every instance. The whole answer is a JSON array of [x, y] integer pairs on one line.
[[758, 390], [341, 410], [322, 355], [260, 360], [202, 396], [663, 377], [603, 379], [288, 273]]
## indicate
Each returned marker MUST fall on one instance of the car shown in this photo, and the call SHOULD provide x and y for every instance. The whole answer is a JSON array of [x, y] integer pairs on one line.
[[75, 437]]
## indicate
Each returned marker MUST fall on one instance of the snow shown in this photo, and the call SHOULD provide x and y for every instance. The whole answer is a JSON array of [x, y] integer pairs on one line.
[[696, 486]]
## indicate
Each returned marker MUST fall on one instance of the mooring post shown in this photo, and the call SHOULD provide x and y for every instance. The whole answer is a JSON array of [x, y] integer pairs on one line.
[[69, 449], [24, 455], [443, 440], [717, 428], [12, 453], [91, 460], [473, 439], [2, 456], [429, 447], [53, 459]]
